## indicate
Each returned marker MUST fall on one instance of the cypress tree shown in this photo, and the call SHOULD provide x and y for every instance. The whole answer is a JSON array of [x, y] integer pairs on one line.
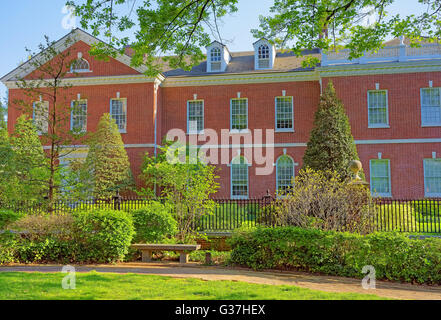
[[331, 145], [107, 160]]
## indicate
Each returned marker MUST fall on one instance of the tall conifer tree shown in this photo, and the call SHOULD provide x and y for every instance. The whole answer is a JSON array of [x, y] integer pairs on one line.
[[331, 145], [107, 160]]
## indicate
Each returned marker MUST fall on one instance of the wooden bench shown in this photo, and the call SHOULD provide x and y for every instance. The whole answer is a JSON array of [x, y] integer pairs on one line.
[[183, 249]]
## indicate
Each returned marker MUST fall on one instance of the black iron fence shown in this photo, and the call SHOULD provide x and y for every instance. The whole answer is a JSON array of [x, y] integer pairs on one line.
[[417, 216]]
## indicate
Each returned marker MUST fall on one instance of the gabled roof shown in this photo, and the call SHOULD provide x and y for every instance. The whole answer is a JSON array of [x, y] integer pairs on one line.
[[61, 45], [261, 40]]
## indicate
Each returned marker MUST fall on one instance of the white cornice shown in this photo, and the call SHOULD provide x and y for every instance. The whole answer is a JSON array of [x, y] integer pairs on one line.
[[92, 81], [380, 68], [226, 79], [61, 45]]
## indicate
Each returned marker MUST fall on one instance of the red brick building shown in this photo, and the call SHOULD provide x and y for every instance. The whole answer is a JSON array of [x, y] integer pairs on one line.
[[392, 98]]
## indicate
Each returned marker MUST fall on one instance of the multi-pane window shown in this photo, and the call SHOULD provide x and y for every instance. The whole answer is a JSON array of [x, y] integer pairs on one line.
[[118, 111], [263, 56], [239, 114], [430, 107], [79, 116], [195, 116], [215, 57], [432, 177], [80, 65], [377, 108], [41, 116], [285, 174], [239, 178], [284, 114], [380, 177]]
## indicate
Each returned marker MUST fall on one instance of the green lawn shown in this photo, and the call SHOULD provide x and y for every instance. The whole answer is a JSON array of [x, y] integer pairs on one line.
[[93, 285]]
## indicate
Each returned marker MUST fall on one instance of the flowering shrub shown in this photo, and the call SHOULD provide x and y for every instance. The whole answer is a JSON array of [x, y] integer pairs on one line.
[[322, 200]]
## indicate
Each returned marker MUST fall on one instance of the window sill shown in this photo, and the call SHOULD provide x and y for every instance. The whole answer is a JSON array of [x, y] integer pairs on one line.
[[195, 133], [384, 126], [80, 71], [284, 130], [381, 195], [245, 131], [431, 125], [122, 131], [239, 198], [432, 195]]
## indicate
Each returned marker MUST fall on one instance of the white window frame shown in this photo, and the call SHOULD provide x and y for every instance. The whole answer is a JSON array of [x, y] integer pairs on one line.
[[124, 101], [373, 192], [217, 61], [80, 70], [46, 124], [188, 117], [231, 178], [259, 58], [71, 114], [429, 124], [277, 170], [426, 194], [376, 125], [292, 111], [246, 130]]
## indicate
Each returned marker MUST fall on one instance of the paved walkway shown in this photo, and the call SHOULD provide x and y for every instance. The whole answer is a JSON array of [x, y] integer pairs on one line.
[[299, 279]]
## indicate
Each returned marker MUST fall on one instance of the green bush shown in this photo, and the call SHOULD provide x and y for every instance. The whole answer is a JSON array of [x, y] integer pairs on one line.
[[7, 247], [106, 234], [153, 223], [394, 256], [7, 217], [93, 236]]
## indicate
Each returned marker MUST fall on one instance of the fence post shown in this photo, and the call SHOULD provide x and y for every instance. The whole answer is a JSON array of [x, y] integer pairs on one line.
[[117, 201], [267, 199]]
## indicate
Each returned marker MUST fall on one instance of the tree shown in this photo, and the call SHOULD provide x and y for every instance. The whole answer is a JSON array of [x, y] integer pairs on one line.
[[3, 115], [186, 184], [331, 146], [107, 160], [45, 90], [25, 164], [179, 28]]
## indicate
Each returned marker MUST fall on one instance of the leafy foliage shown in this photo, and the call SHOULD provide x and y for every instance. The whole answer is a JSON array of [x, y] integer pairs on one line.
[[153, 223], [322, 200], [331, 145], [186, 185], [109, 234], [394, 256], [96, 237], [23, 172], [172, 27], [45, 95], [178, 29], [7, 217], [107, 160]]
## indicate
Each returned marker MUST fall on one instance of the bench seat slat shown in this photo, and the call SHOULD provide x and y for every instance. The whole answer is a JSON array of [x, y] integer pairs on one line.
[[167, 247]]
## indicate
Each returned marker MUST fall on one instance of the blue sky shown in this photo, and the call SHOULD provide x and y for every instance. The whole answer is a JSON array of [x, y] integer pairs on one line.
[[24, 24]]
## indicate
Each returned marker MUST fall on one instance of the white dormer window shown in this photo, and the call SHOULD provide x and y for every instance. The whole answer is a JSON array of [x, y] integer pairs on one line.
[[216, 57], [265, 54]]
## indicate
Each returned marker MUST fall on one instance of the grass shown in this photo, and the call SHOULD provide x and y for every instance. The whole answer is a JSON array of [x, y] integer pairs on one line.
[[96, 286]]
